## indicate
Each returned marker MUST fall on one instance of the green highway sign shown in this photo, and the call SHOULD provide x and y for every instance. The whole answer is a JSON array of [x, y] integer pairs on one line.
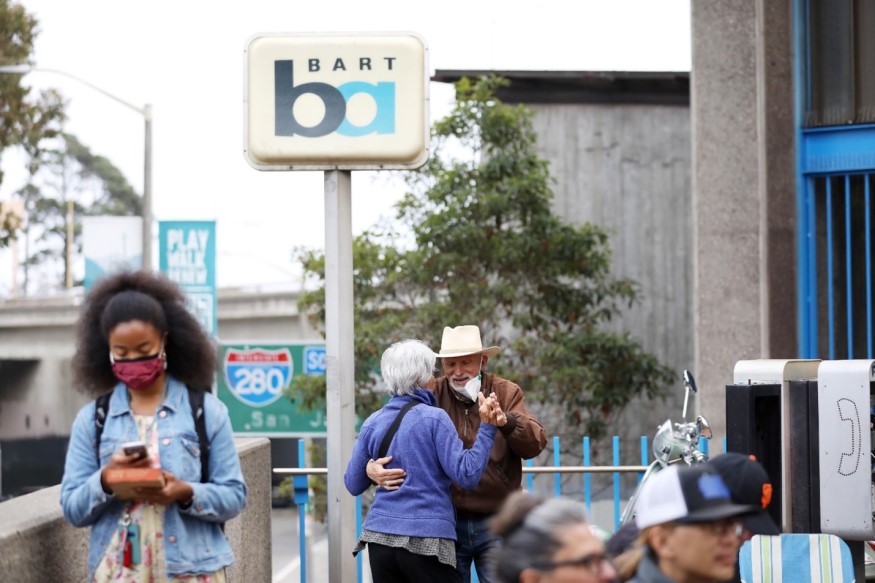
[[252, 382]]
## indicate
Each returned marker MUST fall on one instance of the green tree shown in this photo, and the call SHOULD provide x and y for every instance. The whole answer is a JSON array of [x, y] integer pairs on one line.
[[70, 179], [476, 242], [26, 121]]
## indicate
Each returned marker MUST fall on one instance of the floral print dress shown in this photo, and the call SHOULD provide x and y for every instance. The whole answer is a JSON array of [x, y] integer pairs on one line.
[[150, 518]]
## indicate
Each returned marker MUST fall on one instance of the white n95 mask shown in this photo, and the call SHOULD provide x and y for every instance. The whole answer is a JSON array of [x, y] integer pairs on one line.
[[471, 388]]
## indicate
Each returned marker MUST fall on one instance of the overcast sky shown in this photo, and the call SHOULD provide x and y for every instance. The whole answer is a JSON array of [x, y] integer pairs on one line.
[[185, 58]]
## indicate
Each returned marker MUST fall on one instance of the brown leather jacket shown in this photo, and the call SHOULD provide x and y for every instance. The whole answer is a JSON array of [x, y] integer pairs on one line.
[[523, 437]]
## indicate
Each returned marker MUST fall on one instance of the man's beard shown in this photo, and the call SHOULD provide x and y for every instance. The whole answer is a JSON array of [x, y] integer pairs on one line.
[[459, 385]]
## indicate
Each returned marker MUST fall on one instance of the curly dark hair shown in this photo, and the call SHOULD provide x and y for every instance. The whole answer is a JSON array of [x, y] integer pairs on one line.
[[150, 298]]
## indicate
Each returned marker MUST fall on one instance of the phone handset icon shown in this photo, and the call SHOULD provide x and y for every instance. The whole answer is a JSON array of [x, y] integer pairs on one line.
[[850, 462]]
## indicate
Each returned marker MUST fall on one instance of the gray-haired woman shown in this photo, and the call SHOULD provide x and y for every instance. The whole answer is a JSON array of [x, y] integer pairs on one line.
[[547, 541], [410, 532]]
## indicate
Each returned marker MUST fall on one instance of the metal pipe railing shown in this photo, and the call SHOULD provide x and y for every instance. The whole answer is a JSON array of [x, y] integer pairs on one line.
[[529, 469], [526, 470]]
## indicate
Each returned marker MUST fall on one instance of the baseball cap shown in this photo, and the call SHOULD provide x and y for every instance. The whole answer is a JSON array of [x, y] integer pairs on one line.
[[688, 495], [748, 483]]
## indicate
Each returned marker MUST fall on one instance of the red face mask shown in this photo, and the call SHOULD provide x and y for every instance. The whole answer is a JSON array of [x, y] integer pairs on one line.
[[139, 373]]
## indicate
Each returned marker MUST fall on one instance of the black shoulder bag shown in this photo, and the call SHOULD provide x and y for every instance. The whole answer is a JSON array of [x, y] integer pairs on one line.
[[393, 429]]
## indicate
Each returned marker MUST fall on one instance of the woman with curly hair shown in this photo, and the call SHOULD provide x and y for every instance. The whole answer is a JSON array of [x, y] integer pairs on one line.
[[137, 340]]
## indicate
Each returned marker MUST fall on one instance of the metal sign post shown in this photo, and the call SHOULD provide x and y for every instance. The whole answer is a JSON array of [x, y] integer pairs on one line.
[[339, 347], [337, 102]]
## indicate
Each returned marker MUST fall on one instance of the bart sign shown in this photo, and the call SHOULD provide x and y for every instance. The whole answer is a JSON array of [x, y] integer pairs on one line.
[[253, 381], [336, 102]]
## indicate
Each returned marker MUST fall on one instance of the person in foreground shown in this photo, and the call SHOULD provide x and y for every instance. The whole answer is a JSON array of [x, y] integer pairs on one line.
[[410, 531], [136, 338], [521, 436], [748, 483], [690, 527], [547, 541]]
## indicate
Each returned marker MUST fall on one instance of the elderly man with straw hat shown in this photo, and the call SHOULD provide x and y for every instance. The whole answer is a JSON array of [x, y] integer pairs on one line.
[[520, 436]]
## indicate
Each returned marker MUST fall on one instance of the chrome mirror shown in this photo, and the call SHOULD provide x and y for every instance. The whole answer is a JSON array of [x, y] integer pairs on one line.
[[703, 427]]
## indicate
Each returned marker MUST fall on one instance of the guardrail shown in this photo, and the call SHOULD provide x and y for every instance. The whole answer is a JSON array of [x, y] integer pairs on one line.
[[529, 472]]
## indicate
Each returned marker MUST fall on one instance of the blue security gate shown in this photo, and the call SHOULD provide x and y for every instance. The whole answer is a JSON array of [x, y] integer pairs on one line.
[[835, 209], [834, 93]]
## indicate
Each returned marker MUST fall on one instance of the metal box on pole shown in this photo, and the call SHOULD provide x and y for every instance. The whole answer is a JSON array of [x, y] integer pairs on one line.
[[764, 407], [845, 390]]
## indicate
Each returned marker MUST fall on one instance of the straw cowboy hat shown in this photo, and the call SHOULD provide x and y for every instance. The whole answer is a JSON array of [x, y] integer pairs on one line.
[[464, 340]]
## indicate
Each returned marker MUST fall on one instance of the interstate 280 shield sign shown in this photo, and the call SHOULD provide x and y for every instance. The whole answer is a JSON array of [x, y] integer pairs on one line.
[[257, 377], [256, 381]]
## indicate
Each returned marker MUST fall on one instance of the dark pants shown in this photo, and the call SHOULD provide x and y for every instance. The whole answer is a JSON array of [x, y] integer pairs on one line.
[[473, 543], [390, 565]]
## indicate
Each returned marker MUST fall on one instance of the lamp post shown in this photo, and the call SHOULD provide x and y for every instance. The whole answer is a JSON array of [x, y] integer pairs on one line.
[[146, 112]]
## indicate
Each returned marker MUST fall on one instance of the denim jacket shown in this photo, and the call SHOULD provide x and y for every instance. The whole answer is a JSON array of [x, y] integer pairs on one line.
[[194, 541]]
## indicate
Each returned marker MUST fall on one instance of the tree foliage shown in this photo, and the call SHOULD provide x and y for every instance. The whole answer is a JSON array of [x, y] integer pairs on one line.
[[71, 177], [26, 121], [476, 242]]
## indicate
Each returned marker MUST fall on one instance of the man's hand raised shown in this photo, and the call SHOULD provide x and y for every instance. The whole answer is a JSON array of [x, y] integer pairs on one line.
[[387, 479]]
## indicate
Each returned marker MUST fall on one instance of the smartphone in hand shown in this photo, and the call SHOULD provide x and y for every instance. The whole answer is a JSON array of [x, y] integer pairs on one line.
[[135, 447]]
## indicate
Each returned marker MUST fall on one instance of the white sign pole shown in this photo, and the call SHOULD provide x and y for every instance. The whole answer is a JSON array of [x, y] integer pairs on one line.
[[339, 371]]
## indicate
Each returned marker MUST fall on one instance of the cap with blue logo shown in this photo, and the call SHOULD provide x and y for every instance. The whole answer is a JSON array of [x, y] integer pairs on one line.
[[687, 495]]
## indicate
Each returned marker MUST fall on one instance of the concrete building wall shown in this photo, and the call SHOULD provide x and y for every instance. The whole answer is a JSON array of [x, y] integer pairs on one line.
[[743, 189], [626, 168]]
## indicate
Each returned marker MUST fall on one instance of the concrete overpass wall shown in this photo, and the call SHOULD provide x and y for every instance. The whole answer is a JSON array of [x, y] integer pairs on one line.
[[37, 401], [36, 347], [39, 545]]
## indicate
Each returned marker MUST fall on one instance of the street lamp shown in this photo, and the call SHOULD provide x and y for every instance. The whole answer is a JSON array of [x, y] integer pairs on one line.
[[146, 112]]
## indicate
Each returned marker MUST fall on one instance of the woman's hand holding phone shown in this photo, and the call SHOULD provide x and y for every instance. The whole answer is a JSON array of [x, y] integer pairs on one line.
[[131, 455], [135, 448]]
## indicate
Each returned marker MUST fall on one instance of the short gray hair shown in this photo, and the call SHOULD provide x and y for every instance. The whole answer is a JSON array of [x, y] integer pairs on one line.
[[528, 529], [407, 365]]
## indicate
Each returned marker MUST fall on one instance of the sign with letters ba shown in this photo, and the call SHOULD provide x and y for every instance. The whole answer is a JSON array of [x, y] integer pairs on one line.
[[336, 102]]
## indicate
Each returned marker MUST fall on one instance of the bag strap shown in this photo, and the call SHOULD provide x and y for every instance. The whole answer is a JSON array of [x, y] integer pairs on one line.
[[101, 408], [393, 429], [195, 399]]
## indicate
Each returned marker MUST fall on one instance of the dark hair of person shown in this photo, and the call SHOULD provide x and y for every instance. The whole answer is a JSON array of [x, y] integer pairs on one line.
[[527, 528], [149, 298]]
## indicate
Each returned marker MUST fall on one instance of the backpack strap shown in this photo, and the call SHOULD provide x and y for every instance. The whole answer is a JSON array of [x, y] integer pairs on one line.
[[196, 400], [101, 408], [390, 433]]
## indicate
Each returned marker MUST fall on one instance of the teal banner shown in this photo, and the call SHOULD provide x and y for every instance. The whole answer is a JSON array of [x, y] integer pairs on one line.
[[252, 382], [187, 255]]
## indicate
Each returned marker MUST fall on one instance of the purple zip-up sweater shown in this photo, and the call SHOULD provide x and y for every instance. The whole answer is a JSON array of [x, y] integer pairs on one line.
[[428, 447]]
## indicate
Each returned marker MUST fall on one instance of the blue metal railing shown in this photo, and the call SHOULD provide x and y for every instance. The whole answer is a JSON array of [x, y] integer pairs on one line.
[[836, 253], [530, 470]]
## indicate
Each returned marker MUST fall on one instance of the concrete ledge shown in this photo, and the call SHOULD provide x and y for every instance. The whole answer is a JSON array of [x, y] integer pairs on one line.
[[39, 545]]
